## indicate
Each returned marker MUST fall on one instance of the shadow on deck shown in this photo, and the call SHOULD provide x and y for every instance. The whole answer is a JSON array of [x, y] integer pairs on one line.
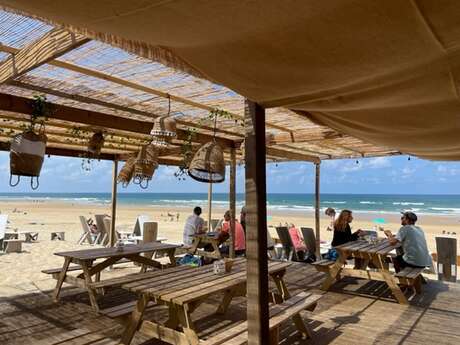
[[354, 312]]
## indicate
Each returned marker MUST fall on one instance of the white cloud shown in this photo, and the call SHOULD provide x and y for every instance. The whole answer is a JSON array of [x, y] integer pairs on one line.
[[379, 162], [447, 171]]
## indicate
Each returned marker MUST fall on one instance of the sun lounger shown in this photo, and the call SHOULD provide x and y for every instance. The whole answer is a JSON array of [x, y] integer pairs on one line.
[[288, 247], [103, 236], [86, 234], [3, 222]]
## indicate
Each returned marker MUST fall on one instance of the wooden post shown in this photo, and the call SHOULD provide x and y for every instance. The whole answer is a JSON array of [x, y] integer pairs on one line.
[[232, 200], [209, 205], [114, 203], [317, 206], [256, 225]]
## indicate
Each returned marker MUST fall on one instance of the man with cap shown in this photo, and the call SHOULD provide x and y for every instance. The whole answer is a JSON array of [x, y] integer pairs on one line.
[[413, 243]]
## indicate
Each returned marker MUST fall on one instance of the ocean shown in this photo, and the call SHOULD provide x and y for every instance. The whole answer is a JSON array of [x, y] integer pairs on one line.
[[365, 203]]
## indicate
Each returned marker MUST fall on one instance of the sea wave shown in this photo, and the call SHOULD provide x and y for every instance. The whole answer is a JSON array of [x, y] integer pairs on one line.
[[370, 203], [334, 202], [406, 203]]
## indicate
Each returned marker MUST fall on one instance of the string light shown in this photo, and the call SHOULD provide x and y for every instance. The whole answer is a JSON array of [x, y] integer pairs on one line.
[[357, 162], [408, 158]]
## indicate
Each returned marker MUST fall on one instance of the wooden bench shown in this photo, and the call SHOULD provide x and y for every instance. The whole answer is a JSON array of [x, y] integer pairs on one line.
[[238, 335], [411, 276], [56, 271], [323, 265]]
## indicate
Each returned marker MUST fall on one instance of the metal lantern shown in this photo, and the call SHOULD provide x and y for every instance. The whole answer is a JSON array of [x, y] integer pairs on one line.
[[208, 164], [164, 129], [145, 165], [95, 143]]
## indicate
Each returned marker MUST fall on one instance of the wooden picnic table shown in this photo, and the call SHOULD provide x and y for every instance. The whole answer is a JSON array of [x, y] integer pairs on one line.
[[183, 289], [375, 253], [85, 258], [201, 240]]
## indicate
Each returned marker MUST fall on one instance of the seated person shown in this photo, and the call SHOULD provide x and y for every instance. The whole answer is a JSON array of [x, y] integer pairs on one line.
[[193, 225], [413, 242], [343, 234], [224, 234], [342, 229], [330, 212], [297, 241]]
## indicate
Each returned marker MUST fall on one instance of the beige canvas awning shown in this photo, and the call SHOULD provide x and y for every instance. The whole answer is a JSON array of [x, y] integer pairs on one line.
[[385, 72]]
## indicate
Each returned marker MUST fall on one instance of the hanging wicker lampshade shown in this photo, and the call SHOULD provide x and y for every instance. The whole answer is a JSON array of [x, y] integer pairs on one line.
[[208, 164], [164, 129], [145, 165], [126, 173], [95, 143]]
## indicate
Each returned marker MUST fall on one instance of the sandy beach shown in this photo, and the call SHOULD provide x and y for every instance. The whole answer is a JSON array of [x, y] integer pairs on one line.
[[22, 271]]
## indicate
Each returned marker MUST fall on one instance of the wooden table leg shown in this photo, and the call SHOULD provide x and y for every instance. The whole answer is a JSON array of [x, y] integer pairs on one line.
[[135, 321], [187, 324], [171, 255], [91, 292], [61, 279], [389, 279], [229, 294], [334, 271]]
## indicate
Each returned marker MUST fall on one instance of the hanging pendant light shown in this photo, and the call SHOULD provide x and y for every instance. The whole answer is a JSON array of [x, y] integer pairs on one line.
[[145, 165], [164, 128], [208, 163]]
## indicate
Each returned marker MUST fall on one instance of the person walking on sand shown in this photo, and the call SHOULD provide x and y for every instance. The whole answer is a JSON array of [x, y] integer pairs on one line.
[[193, 225], [414, 248]]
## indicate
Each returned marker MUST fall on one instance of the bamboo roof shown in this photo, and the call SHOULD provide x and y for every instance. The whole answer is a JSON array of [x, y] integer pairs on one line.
[[90, 80]]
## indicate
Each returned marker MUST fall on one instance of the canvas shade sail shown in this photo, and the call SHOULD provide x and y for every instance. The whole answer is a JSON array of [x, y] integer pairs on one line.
[[386, 72]]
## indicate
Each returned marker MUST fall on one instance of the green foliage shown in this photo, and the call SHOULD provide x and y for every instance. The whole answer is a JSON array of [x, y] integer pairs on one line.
[[41, 110]]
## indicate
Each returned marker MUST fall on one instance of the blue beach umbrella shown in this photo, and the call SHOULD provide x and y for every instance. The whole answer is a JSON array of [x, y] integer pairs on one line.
[[379, 221]]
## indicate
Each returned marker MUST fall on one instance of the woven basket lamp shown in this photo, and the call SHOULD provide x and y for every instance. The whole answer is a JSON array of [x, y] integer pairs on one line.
[[126, 173], [145, 165], [164, 129], [208, 164]]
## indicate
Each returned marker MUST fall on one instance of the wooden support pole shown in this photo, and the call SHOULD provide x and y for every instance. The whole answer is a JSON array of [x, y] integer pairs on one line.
[[317, 207], [232, 195], [256, 225], [114, 203], [209, 205]]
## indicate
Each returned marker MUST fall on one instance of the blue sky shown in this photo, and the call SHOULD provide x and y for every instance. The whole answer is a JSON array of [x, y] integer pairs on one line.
[[383, 175]]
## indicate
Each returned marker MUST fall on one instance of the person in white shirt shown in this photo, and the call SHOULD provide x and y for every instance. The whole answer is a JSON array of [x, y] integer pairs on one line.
[[193, 225], [330, 212]]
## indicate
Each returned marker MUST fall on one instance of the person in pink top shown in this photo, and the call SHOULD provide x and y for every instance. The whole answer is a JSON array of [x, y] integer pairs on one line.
[[297, 239], [224, 233]]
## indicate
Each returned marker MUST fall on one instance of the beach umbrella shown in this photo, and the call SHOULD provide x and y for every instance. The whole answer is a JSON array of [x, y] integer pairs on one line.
[[379, 221]]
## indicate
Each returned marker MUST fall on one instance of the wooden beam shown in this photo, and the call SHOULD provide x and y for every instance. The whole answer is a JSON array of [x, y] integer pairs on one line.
[[304, 136], [256, 225], [317, 209], [112, 235], [232, 197], [143, 88], [88, 100], [64, 152], [288, 155], [50, 46], [86, 117]]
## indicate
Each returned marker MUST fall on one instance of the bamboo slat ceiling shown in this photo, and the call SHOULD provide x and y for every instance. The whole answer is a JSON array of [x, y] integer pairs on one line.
[[96, 77]]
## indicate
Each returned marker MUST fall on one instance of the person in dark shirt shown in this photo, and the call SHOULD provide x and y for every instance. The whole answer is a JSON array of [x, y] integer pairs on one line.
[[343, 234], [342, 230]]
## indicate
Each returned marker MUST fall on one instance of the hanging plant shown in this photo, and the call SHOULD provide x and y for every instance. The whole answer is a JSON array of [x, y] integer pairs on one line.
[[27, 149]]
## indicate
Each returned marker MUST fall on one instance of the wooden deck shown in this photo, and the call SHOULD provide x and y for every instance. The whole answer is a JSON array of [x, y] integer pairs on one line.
[[358, 312]]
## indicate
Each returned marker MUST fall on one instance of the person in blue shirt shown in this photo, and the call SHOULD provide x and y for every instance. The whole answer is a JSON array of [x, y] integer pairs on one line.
[[413, 244]]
